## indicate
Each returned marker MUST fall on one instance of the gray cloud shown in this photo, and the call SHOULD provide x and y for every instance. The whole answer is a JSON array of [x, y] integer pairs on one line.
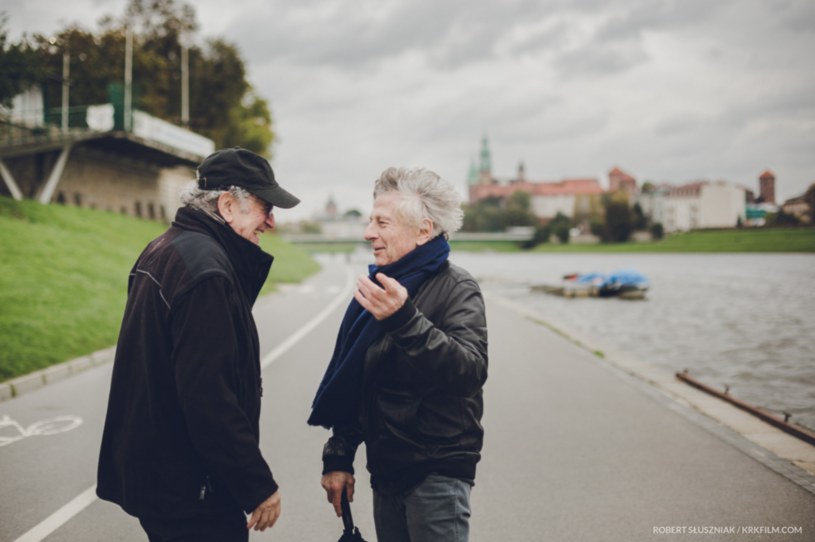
[[669, 90]]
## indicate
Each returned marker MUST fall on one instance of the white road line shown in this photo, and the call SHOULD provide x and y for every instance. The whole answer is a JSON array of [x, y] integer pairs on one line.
[[60, 517], [84, 499], [344, 296]]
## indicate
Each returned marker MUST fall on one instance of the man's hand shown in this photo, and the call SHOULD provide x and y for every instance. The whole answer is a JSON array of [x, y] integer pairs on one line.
[[334, 484], [381, 302], [266, 514]]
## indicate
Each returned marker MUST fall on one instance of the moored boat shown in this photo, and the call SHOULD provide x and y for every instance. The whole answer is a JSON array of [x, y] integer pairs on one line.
[[622, 283]]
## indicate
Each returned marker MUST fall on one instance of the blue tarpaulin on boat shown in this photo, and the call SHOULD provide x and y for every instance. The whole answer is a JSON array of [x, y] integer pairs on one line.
[[626, 276]]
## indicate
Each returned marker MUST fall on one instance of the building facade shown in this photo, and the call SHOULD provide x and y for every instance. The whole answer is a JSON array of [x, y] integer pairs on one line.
[[569, 197], [702, 205], [696, 205]]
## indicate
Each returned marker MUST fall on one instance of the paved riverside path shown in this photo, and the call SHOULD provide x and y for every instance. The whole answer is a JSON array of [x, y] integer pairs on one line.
[[575, 450]]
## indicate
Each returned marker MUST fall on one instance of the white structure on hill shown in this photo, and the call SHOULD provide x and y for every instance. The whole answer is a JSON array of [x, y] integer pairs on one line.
[[698, 205]]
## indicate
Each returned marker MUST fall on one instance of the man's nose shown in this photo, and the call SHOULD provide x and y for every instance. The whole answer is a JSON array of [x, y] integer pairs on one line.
[[369, 234], [270, 221]]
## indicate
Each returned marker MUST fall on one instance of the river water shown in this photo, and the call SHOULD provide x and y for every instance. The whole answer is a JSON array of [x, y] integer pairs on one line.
[[746, 321]]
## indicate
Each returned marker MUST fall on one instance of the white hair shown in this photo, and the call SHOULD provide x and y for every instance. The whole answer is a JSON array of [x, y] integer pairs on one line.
[[425, 195], [206, 201]]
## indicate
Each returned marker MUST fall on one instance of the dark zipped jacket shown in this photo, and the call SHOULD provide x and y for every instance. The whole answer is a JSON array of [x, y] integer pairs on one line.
[[423, 389], [181, 437]]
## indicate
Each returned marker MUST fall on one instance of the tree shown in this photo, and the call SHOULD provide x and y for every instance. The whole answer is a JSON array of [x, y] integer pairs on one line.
[[19, 65], [639, 220], [518, 211], [619, 220], [223, 105], [484, 215], [781, 219], [648, 187], [561, 227], [809, 197]]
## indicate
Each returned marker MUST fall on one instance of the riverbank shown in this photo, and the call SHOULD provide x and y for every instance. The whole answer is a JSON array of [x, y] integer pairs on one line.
[[63, 279], [705, 241], [769, 240]]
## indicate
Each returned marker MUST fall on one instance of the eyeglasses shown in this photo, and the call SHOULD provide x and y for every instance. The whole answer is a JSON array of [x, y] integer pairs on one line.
[[268, 208]]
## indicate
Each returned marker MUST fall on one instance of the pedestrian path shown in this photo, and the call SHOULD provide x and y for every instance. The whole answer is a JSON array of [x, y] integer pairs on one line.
[[576, 448]]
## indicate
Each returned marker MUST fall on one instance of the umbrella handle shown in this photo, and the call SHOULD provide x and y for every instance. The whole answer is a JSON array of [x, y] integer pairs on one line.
[[347, 520]]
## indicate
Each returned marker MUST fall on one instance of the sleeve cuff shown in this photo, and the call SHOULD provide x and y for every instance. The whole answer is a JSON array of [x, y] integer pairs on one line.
[[337, 463], [400, 317]]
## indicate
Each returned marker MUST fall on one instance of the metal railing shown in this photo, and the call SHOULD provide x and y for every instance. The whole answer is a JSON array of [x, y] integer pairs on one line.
[[37, 127]]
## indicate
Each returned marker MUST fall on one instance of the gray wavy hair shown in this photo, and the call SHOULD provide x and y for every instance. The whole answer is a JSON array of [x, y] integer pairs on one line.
[[424, 195], [206, 201]]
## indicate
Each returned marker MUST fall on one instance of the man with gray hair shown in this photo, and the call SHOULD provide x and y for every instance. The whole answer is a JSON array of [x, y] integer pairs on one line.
[[180, 449], [408, 369]]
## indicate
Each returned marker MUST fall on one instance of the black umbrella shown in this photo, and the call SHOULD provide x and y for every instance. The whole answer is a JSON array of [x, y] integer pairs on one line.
[[349, 532]]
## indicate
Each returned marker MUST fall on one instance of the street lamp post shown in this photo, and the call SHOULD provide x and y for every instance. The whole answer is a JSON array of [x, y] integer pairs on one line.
[[66, 78], [185, 84], [66, 86], [128, 90]]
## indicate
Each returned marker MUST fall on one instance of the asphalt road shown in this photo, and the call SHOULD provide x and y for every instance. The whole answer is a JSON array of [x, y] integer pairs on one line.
[[574, 450]]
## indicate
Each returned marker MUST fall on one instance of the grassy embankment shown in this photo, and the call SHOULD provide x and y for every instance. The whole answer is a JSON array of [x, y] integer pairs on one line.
[[63, 279], [736, 240]]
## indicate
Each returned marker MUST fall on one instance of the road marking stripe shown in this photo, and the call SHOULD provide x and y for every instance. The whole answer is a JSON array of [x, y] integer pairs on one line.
[[344, 295], [84, 499], [60, 517]]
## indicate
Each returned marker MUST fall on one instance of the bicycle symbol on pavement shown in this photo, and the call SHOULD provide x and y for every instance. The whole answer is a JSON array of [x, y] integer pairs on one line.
[[11, 431]]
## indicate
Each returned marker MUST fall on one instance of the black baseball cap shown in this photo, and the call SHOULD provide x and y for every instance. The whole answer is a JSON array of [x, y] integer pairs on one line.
[[241, 167]]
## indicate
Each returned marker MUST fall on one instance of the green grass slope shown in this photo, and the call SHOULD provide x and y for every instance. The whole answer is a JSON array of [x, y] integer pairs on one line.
[[63, 279]]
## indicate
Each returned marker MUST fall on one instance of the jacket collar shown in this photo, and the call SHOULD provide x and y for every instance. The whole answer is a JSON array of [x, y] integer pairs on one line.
[[251, 263]]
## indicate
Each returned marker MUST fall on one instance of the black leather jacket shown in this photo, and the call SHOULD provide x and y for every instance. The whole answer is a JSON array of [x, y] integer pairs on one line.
[[423, 400]]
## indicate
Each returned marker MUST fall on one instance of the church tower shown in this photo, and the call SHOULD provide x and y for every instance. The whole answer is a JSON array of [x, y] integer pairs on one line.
[[766, 186], [472, 176], [485, 169]]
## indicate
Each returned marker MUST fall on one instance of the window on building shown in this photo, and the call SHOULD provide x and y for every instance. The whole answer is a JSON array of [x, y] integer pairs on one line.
[[78, 199], [138, 209]]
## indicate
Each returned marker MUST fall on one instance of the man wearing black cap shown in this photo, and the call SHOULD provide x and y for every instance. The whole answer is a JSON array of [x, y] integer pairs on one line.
[[180, 449]]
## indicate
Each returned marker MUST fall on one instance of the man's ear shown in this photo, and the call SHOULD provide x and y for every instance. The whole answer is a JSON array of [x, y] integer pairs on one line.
[[227, 206], [425, 231]]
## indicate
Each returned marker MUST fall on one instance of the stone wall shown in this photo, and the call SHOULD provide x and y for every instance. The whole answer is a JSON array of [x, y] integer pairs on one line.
[[100, 180]]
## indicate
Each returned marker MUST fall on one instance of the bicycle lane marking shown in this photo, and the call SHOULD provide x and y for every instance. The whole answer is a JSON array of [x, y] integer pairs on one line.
[[50, 426], [344, 295], [59, 518]]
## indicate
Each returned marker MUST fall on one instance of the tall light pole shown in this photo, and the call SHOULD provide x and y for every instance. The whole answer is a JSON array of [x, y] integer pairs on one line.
[[66, 85], [185, 83], [66, 74], [128, 90]]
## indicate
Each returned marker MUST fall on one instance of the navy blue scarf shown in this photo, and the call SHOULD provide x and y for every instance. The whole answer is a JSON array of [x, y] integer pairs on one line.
[[339, 393]]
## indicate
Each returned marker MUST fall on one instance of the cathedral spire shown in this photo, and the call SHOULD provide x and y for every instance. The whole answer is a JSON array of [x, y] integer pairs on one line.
[[486, 161], [472, 176]]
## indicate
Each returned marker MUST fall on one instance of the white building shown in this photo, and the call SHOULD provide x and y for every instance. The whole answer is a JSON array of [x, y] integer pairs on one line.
[[700, 205]]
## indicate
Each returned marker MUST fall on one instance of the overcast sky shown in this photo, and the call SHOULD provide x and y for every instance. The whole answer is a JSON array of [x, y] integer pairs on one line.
[[671, 91]]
